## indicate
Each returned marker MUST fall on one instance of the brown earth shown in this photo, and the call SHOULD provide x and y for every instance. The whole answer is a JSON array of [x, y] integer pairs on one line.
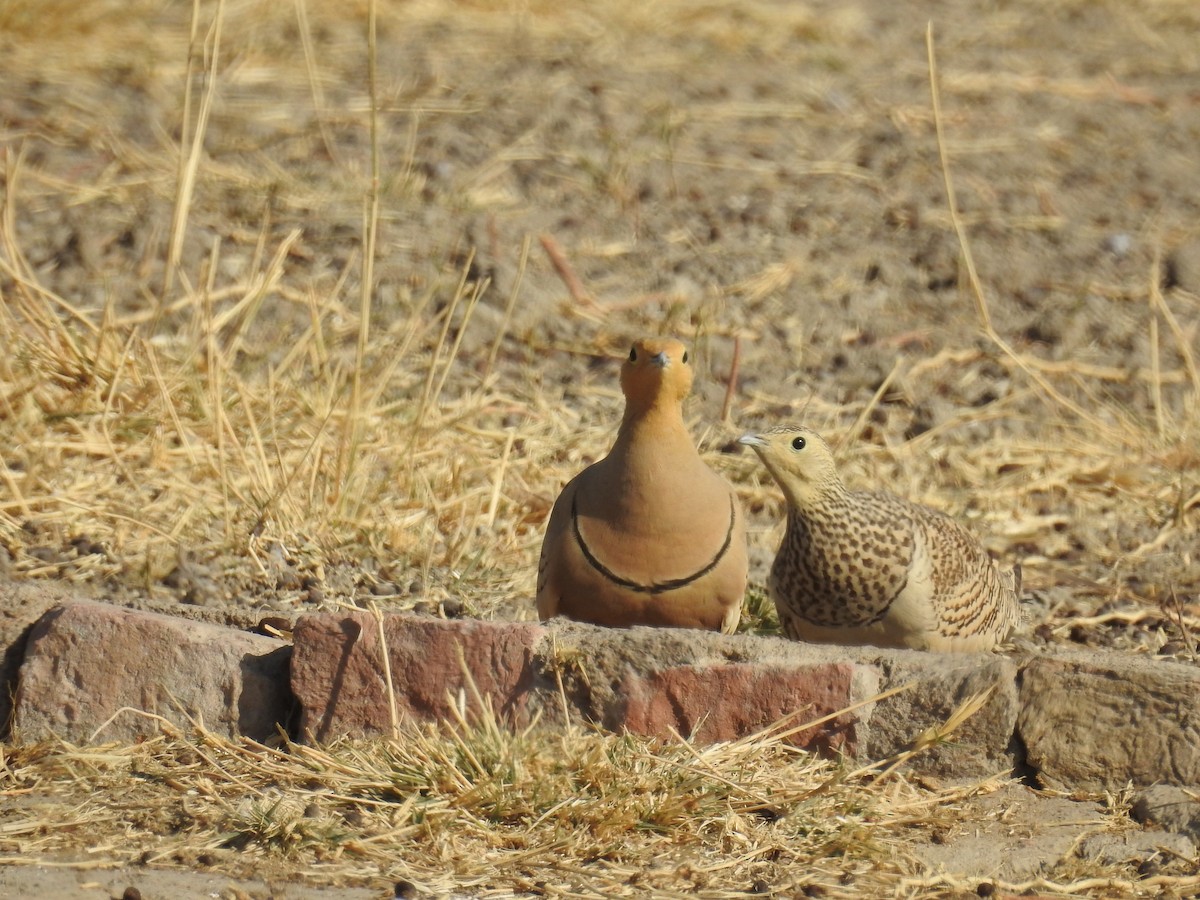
[[770, 174], [758, 178]]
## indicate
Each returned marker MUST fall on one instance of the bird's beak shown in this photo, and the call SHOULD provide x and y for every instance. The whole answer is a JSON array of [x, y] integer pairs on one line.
[[661, 359], [752, 440]]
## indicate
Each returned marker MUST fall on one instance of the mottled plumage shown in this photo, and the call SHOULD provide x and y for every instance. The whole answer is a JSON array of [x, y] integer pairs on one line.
[[649, 535], [871, 568]]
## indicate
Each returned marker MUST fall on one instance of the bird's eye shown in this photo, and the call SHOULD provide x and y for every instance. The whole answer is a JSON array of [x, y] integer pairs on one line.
[[685, 356], [798, 443], [633, 354]]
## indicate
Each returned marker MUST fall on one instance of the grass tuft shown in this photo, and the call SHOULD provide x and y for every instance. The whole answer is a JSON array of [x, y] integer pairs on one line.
[[269, 310]]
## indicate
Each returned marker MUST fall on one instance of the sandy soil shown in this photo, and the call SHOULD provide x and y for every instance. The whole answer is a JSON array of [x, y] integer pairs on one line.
[[770, 174], [69, 883], [767, 173]]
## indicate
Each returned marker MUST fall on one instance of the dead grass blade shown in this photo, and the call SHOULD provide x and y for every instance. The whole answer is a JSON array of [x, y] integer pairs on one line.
[[475, 803], [981, 304], [190, 155]]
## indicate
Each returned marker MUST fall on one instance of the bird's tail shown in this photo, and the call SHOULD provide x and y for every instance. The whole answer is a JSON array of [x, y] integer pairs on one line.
[[1015, 579]]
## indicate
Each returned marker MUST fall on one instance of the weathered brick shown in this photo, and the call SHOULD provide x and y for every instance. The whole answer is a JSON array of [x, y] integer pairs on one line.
[[86, 661], [22, 603], [1101, 720], [727, 702], [338, 675], [651, 680], [937, 685]]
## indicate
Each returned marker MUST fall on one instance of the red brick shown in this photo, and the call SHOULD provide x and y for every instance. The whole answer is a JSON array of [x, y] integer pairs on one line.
[[727, 702], [338, 675], [85, 661]]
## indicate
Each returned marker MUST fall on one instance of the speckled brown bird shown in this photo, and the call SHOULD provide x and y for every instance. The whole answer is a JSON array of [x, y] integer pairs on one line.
[[649, 535], [860, 567]]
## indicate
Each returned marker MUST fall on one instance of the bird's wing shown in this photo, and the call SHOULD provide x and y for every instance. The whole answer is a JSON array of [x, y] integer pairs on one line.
[[557, 531]]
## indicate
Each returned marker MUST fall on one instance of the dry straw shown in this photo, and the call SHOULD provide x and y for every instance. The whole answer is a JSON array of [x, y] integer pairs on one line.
[[407, 439], [475, 806], [234, 413]]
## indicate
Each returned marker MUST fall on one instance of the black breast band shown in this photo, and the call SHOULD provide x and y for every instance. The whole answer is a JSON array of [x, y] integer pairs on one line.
[[658, 587]]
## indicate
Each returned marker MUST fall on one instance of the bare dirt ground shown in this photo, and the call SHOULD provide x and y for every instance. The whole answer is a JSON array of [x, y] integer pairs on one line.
[[198, 412]]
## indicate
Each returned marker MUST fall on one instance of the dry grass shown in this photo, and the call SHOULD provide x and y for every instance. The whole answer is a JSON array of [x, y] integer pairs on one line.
[[236, 403], [157, 426], [479, 808]]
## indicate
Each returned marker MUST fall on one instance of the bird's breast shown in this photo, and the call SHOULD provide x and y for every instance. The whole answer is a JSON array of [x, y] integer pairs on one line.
[[655, 537]]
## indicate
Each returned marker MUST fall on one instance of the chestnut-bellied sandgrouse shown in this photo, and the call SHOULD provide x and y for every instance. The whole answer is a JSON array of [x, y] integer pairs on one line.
[[649, 535], [859, 567]]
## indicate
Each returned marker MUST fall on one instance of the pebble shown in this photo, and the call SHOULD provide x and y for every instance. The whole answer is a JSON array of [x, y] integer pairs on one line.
[[1118, 244]]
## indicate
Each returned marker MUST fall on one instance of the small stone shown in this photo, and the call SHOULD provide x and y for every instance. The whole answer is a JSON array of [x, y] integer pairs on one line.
[[287, 580], [1173, 809], [452, 609], [176, 579], [273, 626], [1118, 244], [1182, 268], [384, 589], [196, 597], [768, 814], [131, 893]]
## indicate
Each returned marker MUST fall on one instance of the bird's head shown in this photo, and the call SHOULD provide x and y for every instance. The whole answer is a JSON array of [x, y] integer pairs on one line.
[[798, 459], [656, 371]]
